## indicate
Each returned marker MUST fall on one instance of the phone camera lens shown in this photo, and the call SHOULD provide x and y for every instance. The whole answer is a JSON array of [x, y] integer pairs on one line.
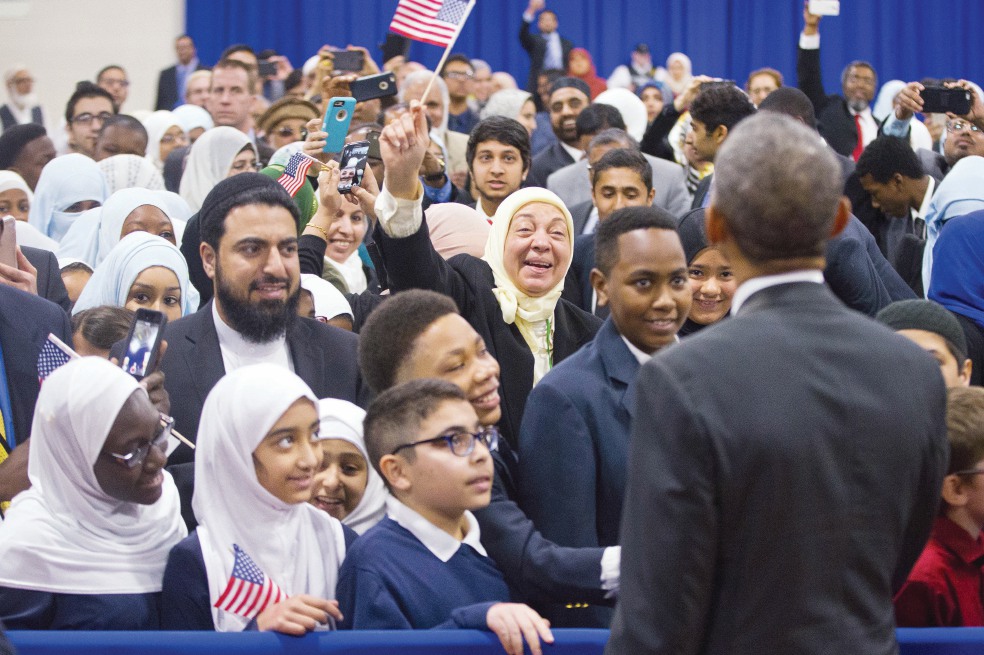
[[341, 115]]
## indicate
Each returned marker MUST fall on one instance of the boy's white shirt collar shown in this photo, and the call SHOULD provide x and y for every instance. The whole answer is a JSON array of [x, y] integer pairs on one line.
[[436, 540]]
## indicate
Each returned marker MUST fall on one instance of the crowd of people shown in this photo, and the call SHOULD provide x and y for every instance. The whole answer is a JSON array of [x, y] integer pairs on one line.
[[696, 362]]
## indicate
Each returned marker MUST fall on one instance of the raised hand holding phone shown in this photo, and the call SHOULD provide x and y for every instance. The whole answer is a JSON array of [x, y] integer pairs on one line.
[[338, 116]]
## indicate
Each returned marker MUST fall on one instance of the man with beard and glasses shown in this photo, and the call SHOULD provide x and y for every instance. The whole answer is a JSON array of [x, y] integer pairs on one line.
[[249, 251]]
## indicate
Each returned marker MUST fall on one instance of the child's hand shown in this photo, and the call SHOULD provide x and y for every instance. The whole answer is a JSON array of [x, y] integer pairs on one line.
[[298, 615], [514, 622]]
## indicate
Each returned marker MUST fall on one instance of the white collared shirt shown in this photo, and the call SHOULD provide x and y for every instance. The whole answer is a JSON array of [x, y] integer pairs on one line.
[[238, 352], [592, 222], [757, 284], [640, 356], [927, 198], [436, 540], [575, 154], [869, 127]]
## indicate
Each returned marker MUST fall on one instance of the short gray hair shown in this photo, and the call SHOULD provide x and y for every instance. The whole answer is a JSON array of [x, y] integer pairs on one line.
[[777, 185]]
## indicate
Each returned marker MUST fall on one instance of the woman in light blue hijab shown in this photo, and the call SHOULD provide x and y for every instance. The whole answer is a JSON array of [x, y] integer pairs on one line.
[[142, 270], [68, 185], [960, 192]]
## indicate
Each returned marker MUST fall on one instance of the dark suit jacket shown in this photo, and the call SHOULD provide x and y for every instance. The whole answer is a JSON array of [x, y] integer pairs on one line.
[[580, 213], [577, 284], [50, 285], [536, 47], [412, 263], [25, 321], [168, 93], [835, 122], [553, 158], [782, 482]]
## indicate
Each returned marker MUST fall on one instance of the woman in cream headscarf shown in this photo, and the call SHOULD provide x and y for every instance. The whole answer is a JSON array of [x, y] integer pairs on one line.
[[85, 547], [511, 296], [679, 72], [212, 159], [257, 453]]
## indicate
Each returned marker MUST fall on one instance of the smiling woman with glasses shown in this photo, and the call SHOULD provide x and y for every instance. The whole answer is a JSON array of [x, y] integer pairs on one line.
[[85, 547]]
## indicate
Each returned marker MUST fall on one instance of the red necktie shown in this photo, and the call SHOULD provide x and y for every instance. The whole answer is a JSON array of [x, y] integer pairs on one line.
[[860, 144]]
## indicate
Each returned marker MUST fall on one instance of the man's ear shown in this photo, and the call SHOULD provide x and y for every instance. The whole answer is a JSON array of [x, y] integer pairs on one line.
[[720, 134], [600, 284], [842, 216], [208, 259], [394, 469]]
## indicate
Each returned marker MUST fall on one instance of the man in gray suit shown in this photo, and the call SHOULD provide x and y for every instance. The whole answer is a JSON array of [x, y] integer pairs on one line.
[[781, 481], [573, 183]]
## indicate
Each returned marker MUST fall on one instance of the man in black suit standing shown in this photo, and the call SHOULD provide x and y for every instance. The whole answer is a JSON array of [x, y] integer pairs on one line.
[[781, 481], [171, 83], [568, 98], [548, 50]]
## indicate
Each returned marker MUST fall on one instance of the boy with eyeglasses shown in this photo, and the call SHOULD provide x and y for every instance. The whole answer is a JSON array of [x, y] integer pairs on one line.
[[423, 566], [86, 112], [944, 587]]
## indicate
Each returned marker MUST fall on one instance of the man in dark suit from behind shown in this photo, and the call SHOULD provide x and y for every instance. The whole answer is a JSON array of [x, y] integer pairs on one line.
[[547, 50], [171, 83], [781, 481]]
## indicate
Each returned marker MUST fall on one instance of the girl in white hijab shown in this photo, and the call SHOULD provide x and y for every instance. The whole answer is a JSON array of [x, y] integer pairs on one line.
[[164, 134], [194, 120], [128, 171], [327, 303], [210, 161], [257, 453], [15, 199], [120, 281], [85, 546], [349, 487], [680, 72], [960, 192], [68, 185]]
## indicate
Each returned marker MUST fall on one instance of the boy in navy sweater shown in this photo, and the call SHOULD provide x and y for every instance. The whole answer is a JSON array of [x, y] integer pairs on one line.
[[423, 566]]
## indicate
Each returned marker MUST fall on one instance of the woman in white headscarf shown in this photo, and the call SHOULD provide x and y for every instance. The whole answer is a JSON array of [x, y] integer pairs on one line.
[[164, 134], [212, 159], [129, 171], [512, 103], [15, 199], [630, 106], [142, 270], [919, 136], [348, 488], [679, 72], [258, 451], [194, 120], [68, 185], [321, 301], [960, 192], [85, 547]]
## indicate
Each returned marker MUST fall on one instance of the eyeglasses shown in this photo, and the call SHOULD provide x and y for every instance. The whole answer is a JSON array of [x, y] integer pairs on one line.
[[136, 457], [459, 75], [120, 83], [285, 131], [87, 118], [461, 443], [958, 126]]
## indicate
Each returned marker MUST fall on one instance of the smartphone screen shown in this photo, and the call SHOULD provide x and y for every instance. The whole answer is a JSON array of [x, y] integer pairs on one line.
[[353, 163], [143, 343], [8, 241], [348, 60]]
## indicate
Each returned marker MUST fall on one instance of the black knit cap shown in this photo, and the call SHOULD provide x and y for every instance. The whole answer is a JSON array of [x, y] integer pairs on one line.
[[929, 316], [571, 82], [14, 139], [239, 190]]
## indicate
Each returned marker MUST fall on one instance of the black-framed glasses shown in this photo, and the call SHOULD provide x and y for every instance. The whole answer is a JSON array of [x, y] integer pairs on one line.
[[461, 443], [86, 118], [136, 457], [959, 126]]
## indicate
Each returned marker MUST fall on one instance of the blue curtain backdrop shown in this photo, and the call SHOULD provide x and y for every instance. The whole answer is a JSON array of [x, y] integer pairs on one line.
[[906, 39]]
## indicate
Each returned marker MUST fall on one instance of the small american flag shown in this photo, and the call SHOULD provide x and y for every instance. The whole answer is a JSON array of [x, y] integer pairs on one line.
[[249, 591], [53, 354], [430, 21], [295, 173]]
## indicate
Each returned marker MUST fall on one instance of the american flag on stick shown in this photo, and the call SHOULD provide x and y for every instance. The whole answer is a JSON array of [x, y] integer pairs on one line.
[[249, 591], [295, 172], [432, 21], [53, 354]]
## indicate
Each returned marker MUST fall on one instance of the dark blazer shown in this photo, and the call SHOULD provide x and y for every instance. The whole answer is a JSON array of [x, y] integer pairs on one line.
[[835, 122], [412, 263], [580, 213], [779, 518], [168, 93], [25, 321], [553, 158], [50, 285], [577, 284], [536, 47]]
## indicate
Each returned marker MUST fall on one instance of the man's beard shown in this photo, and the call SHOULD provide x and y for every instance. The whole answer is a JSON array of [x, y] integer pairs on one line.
[[259, 322], [857, 105], [23, 102]]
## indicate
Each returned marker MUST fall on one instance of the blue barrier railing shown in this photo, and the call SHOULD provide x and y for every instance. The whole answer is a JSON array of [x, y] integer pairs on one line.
[[931, 641]]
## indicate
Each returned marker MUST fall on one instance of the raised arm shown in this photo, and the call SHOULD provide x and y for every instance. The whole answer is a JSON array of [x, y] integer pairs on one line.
[[808, 74]]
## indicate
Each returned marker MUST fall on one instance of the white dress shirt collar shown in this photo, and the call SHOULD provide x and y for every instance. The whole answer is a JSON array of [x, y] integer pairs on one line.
[[757, 284], [641, 356], [238, 352], [927, 198], [436, 540], [572, 151]]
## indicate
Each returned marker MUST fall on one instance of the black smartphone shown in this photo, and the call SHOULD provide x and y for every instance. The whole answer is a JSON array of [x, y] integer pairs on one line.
[[394, 46], [143, 343], [348, 60], [380, 85], [373, 139], [940, 100], [267, 68], [353, 162]]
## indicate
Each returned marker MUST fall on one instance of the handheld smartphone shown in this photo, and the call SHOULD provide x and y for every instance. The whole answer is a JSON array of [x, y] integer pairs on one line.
[[348, 60], [143, 343], [380, 85], [267, 68], [825, 7], [336, 122], [353, 163], [373, 139], [8, 241], [940, 100], [395, 45]]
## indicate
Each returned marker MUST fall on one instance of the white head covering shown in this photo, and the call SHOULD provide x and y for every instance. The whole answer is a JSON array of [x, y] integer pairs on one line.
[[157, 124], [960, 192], [310, 64], [11, 180], [191, 117], [297, 545], [65, 181], [130, 171], [516, 306], [341, 419], [632, 108], [507, 102], [65, 534], [456, 228], [328, 301], [885, 103], [136, 252], [678, 86], [209, 162]]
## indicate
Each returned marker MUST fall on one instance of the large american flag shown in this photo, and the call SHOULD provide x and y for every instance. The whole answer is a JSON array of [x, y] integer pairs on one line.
[[295, 173], [430, 21], [249, 591], [53, 354]]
